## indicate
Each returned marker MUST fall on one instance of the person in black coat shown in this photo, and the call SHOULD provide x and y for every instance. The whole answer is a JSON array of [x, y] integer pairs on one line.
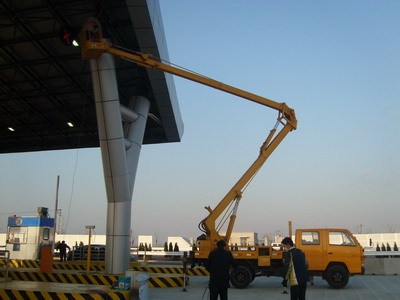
[[63, 250], [218, 264], [297, 270]]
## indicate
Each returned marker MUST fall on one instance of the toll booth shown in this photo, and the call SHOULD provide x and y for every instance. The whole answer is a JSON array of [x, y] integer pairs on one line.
[[27, 235]]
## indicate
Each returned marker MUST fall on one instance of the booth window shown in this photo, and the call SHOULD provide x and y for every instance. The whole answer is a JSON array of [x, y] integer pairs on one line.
[[17, 235], [46, 233]]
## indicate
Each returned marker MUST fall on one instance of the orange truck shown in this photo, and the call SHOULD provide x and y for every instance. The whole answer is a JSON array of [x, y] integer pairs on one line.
[[334, 254]]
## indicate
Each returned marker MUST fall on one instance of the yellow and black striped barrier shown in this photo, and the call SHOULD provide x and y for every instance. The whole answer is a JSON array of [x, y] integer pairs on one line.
[[157, 270], [79, 266], [22, 263], [74, 266], [160, 277], [165, 281], [43, 295], [171, 270], [155, 280], [197, 272], [97, 279], [100, 267]]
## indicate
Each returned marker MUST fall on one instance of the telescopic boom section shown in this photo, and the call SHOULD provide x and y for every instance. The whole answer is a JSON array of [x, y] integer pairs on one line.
[[151, 62], [93, 45]]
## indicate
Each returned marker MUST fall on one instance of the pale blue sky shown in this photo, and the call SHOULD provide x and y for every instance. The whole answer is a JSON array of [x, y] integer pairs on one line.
[[337, 63]]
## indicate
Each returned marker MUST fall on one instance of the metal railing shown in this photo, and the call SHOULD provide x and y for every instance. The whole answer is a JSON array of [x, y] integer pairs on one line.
[[98, 254], [81, 253], [383, 254], [144, 255]]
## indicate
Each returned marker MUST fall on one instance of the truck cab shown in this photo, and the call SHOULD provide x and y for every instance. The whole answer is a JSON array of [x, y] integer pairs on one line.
[[334, 254]]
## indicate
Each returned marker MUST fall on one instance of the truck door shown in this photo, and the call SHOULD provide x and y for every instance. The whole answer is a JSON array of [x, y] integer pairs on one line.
[[343, 248], [310, 242]]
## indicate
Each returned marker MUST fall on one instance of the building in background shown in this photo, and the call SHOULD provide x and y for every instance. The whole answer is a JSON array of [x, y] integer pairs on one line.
[[243, 239], [367, 240]]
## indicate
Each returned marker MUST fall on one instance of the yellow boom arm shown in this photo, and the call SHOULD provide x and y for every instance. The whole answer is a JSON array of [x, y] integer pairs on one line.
[[93, 45]]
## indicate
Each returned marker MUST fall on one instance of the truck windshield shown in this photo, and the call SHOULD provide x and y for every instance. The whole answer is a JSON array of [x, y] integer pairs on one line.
[[340, 238]]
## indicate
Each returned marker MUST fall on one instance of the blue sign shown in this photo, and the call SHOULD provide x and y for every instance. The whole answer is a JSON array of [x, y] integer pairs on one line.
[[30, 222]]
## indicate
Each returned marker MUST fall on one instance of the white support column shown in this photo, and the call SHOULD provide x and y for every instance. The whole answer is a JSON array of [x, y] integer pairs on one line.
[[135, 134], [112, 144]]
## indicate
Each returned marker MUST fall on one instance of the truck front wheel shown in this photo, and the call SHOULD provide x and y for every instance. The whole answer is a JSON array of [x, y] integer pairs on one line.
[[241, 277], [337, 276]]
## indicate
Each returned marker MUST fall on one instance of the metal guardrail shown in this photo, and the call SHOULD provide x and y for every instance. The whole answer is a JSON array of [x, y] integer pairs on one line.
[[156, 255], [382, 253], [81, 253], [98, 254], [6, 255]]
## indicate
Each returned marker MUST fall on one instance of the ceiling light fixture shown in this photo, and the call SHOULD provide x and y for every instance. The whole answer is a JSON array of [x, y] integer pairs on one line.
[[11, 129], [70, 124]]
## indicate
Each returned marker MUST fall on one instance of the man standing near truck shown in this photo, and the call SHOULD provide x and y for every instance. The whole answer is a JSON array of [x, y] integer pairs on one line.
[[218, 264], [297, 272]]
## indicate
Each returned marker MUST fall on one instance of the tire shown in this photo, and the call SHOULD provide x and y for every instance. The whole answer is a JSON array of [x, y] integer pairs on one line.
[[241, 277], [337, 276]]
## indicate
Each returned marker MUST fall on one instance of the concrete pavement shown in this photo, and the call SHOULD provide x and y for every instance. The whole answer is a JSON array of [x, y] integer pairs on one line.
[[262, 288]]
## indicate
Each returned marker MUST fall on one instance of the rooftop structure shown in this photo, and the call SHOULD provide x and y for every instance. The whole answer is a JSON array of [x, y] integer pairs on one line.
[[46, 95]]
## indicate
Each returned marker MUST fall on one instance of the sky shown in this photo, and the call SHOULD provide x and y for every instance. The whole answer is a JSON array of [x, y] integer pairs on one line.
[[336, 63]]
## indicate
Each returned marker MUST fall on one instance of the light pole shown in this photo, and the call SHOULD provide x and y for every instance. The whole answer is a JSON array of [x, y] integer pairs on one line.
[[55, 214], [90, 227]]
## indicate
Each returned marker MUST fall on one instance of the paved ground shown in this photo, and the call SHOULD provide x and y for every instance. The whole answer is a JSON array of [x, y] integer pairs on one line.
[[360, 287], [262, 288], [51, 286]]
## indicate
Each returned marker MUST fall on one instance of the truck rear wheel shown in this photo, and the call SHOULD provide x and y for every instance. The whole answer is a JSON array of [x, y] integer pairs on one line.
[[241, 277], [337, 276]]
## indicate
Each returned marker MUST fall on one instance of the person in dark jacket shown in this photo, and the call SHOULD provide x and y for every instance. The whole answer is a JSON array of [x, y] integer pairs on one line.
[[297, 270], [218, 264], [63, 250]]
